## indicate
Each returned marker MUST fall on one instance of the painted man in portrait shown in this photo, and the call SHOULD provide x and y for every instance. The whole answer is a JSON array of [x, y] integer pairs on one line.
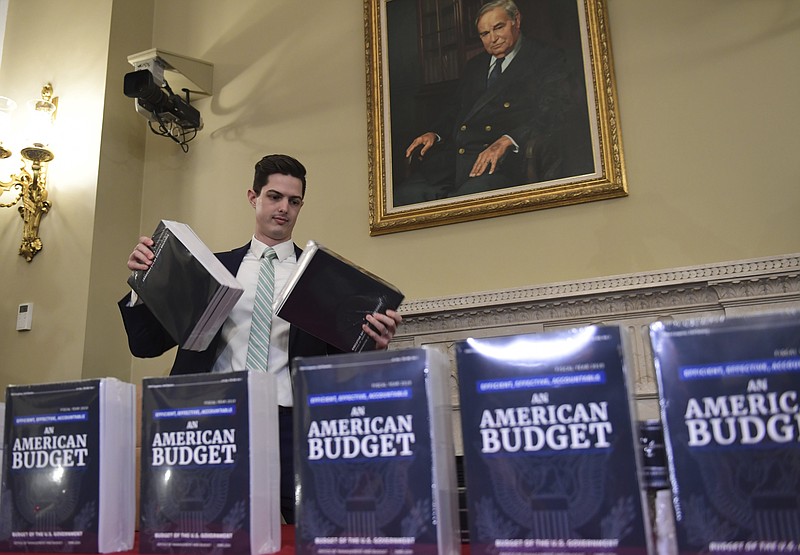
[[506, 126]]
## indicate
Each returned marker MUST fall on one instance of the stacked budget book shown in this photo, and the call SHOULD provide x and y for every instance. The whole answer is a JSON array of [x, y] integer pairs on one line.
[[210, 466], [187, 288], [374, 454], [731, 414], [329, 297], [551, 443], [69, 469]]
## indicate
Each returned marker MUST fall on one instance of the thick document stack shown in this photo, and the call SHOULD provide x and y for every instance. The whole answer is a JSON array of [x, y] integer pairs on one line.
[[187, 288], [70, 469], [210, 467], [330, 297], [374, 455], [550, 444], [731, 413]]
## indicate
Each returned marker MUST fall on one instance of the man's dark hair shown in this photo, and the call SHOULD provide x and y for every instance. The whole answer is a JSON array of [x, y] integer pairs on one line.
[[278, 163], [508, 5]]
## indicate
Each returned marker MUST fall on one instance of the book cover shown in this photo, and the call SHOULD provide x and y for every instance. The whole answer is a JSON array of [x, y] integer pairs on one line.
[[550, 444], [70, 466], [210, 466], [187, 288], [374, 455], [729, 402], [330, 297]]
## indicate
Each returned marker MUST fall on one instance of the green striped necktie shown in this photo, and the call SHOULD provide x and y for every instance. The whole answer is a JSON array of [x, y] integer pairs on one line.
[[258, 347]]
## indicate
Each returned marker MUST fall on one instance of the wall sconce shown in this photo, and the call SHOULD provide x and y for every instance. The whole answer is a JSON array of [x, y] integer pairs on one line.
[[29, 185]]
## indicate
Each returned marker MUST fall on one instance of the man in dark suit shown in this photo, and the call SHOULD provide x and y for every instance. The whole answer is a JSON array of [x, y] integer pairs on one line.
[[276, 196], [510, 97]]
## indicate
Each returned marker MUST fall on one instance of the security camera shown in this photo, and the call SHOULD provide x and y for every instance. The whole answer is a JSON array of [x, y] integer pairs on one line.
[[168, 114], [160, 103]]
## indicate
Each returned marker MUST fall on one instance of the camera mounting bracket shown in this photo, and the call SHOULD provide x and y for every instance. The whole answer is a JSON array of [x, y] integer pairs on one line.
[[181, 72]]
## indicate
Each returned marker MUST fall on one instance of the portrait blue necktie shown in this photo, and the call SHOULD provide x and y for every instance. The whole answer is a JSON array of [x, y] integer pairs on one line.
[[497, 70], [258, 346]]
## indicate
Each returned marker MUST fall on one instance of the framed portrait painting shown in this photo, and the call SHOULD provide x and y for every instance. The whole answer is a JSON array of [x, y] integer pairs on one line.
[[478, 111]]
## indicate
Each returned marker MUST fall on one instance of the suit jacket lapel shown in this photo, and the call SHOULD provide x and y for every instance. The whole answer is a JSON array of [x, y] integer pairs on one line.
[[515, 69], [233, 259], [489, 94]]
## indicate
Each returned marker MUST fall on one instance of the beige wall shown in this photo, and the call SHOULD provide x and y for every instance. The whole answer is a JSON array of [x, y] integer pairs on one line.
[[118, 194], [69, 50], [707, 104]]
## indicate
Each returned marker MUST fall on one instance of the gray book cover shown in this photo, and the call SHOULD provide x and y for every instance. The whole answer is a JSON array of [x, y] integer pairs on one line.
[[187, 288], [329, 297]]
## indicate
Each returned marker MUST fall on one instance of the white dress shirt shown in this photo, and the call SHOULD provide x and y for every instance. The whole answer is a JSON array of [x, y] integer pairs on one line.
[[507, 60], [232, 353]]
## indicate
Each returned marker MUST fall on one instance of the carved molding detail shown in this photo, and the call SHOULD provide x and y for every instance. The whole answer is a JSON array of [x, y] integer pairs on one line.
[[632, 301], [677, 291]]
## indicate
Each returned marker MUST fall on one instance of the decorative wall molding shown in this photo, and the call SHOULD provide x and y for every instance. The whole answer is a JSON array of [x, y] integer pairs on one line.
[[690, 289], [632, 301]]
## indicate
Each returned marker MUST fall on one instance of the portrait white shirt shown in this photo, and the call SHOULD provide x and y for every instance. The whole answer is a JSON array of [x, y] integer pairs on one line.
[[232, 353], [506, 61]]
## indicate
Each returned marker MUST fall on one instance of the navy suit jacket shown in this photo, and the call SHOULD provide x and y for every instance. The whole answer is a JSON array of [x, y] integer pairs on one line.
[[527, 101], [147, 338]]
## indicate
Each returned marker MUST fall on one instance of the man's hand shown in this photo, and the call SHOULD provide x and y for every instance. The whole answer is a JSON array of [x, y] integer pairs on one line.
[[427, 140], [382, 327], [490, 158], [142, 257]]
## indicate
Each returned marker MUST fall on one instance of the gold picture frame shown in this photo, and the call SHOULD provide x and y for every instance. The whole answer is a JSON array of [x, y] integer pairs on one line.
[[390, 103]]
